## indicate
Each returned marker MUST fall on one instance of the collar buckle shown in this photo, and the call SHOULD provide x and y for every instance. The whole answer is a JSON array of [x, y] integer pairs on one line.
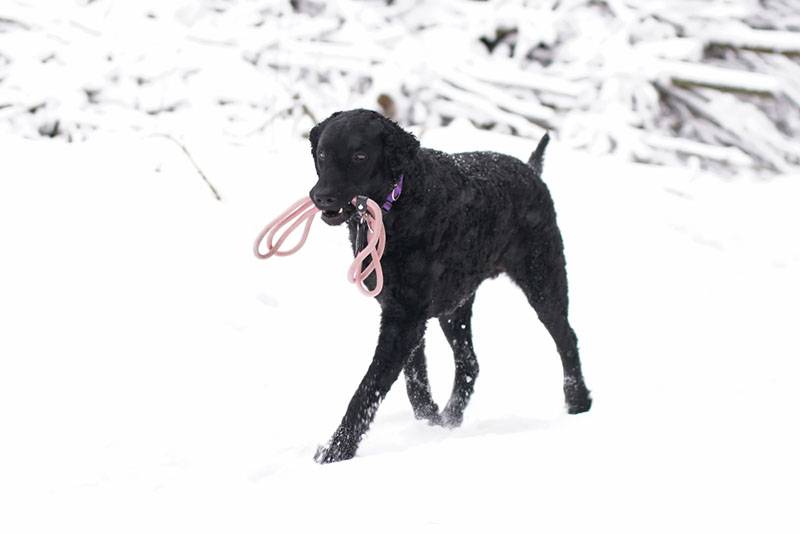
[[393, 195]]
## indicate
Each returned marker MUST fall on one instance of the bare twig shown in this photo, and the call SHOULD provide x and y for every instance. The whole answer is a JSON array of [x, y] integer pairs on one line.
[[194, 163], [309, 113]]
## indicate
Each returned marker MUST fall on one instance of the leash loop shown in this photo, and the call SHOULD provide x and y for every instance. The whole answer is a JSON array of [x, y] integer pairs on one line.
[[303, 211], [376, 244]]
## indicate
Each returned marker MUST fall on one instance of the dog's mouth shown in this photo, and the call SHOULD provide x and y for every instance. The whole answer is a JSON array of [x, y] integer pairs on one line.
[[337, 217]]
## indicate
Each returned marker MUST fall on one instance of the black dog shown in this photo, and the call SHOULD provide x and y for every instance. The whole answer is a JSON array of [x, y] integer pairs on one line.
[[460, 219]]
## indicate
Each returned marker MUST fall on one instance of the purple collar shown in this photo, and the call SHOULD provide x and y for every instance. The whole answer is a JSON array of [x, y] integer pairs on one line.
[[393, 195]]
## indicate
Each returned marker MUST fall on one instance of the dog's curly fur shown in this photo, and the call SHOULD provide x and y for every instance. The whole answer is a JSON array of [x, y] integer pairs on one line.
[[461, 218]]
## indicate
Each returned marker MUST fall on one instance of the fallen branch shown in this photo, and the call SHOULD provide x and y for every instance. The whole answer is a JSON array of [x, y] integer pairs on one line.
[[531, 109], [724, 154], [488, 109], [513, 77], [751, 140], [684, 73], [750, 39], [289, 58]]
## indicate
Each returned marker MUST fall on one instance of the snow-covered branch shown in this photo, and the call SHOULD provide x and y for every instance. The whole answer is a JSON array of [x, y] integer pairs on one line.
[[662, 81]]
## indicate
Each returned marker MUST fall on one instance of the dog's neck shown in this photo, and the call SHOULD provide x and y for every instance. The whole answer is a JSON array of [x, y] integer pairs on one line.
[[406, 206]]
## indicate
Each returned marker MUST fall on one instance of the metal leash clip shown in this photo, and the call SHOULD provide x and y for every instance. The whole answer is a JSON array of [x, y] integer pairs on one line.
[[361, 205], [361, 228]]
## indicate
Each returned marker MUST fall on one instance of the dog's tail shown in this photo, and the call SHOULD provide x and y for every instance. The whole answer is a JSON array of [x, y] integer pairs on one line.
[[536, 161]]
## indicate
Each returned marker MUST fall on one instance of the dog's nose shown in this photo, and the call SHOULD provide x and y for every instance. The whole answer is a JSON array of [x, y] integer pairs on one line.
[[324, 201]]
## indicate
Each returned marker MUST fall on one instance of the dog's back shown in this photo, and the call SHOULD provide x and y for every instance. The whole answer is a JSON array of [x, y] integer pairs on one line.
[[471, 209]]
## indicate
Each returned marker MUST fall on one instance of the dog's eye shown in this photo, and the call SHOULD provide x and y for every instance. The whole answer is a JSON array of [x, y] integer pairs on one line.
[[359, 156], [322, 154]]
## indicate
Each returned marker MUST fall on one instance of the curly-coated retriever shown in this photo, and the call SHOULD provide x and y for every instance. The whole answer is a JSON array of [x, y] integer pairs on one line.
[[459, 219]]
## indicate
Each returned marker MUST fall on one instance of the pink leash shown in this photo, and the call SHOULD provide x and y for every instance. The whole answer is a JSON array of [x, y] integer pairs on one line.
[[303, 211]]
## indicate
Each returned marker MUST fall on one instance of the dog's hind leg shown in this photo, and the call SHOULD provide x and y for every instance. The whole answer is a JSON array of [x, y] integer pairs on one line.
[[541, 274], [400, 335], [457, 328], [418, 387]]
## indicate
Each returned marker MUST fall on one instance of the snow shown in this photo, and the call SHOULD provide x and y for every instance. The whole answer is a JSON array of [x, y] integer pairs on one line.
[[156, 377]]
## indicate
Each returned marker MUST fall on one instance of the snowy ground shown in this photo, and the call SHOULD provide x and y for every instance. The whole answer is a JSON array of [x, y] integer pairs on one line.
[[155, 377]]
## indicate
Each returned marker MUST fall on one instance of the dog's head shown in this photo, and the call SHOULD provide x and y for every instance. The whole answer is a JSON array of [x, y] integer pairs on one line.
[[357, 152]]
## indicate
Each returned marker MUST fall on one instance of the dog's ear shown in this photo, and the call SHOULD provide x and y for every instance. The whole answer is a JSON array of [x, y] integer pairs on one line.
[[316, 131], [399, 148]]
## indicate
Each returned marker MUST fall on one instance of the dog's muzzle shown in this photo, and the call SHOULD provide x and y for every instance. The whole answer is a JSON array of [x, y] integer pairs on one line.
[[337, 217]]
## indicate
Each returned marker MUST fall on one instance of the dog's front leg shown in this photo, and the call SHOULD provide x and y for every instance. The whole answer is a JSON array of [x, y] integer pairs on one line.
[[398, 338]]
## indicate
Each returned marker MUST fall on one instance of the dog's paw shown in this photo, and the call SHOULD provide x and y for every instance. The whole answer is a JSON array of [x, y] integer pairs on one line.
[[433, 419], [579, 407], [335, 451], [451, 418], [577, 396], [429, 413]]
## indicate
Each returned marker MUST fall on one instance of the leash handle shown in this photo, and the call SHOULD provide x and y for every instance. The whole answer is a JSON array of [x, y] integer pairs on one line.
[[303, 211]]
